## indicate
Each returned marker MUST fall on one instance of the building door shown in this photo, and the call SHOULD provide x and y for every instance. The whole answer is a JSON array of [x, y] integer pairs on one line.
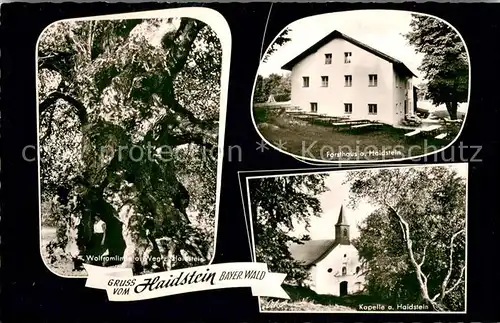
[[406, 107], [314, 107], [343, 288]]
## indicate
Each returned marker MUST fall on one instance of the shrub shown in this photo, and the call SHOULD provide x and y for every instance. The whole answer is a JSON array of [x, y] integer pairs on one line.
[[260, 115], [282, 97]]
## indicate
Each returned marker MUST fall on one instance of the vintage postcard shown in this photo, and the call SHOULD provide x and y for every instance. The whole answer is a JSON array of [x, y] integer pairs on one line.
[[246, 162]]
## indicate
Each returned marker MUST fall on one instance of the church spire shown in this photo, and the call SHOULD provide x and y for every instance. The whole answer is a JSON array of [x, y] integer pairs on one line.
[[342, 228], [342, 219]]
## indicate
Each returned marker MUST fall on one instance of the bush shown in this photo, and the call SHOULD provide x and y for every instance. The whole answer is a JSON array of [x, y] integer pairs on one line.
[[260, 115], [411, 120], [452, 128], [282, 97], [50, 214]]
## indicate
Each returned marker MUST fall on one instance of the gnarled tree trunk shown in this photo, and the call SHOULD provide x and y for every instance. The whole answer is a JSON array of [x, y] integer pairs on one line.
[[136, 245], [79, 234], [113, 239]]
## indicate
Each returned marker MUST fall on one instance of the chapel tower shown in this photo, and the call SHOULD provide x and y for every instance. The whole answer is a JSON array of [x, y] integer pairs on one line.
[[342, 229]]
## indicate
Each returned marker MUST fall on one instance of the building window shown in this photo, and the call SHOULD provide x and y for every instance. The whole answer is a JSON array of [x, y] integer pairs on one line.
[[348, 80], [347, 57], [305, 81], [345, 255], [348, 108], [372, 80], [324, 81], [372, 109], [314, 107], [357, 270], [330, 270], [344, 271], [328, 59]]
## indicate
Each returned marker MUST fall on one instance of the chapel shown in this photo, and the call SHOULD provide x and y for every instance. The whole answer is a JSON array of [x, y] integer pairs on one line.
[[334, 264]]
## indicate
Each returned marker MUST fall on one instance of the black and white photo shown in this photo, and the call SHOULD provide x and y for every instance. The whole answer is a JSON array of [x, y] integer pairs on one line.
[[372, 240], [131, 113], [363, 85]]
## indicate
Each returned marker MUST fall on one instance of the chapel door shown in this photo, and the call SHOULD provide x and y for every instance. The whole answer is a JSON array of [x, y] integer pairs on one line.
[[343, 288]]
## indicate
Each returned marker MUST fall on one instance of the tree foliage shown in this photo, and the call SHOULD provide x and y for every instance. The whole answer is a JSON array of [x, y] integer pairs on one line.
[[276, 203], [280, 86], [277, 85], [281, 40], [422, 91], [445, 63], [128, 114], [414, 242]]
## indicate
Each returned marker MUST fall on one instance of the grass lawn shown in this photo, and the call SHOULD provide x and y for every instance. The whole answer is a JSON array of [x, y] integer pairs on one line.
[[320, 141], [304, 299]]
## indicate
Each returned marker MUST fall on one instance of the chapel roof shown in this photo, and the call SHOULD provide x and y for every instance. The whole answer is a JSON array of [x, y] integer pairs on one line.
[[399, 66], [311, 251]]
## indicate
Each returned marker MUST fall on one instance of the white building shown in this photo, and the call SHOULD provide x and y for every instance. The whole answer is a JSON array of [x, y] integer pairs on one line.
[[334, 264], [340, 76]]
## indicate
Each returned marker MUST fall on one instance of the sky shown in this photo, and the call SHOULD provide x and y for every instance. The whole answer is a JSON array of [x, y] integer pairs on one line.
[[380, 29], [323, 227]]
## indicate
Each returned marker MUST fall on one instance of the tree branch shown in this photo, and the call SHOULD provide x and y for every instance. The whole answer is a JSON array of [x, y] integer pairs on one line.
[[179, 50], [190, 138], [403, 231], [162, 125], [90, 38], [55, 96], [179, 46], [406, 232], [457, 283], [459, 280], [423, 256], [48, 133], [450, 266], [59, 62], [177, 107], [422, 279], [166, 93]]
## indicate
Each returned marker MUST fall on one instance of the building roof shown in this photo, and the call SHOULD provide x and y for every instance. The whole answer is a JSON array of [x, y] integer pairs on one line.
[[311, 251], [399, 66], [342, 218]]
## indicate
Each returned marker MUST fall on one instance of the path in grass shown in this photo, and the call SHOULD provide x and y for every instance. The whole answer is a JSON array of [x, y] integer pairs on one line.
[[327, 143], [300, 306], [303, 299]]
